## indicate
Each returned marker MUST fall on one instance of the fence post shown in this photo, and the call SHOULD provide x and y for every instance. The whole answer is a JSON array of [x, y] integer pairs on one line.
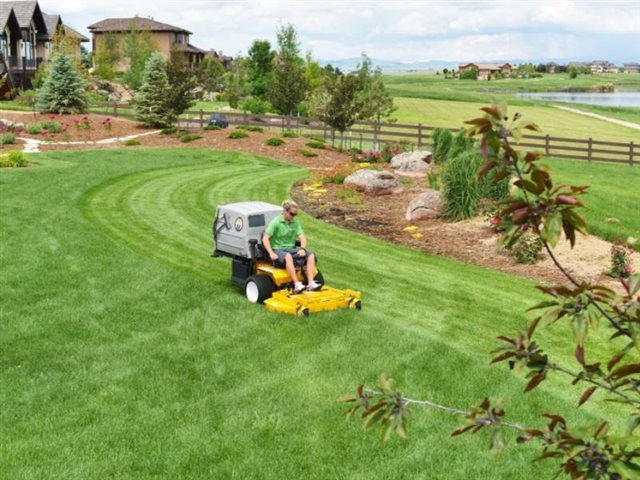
[[115, 109], [589, 151], [419, 136], [546, 145], [360, 142], [201, 119], [631, 153], [282, 124]]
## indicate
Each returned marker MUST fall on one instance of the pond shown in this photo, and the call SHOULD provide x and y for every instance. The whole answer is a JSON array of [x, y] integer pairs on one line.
[[609, 99]]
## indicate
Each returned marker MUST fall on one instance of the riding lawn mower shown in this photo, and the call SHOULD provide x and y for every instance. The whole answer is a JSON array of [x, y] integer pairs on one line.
[[237, 232]]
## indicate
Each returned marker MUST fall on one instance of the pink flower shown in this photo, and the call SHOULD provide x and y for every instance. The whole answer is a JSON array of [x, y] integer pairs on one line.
[[52, 116], [44, 132], [76, 121], [495, 220]]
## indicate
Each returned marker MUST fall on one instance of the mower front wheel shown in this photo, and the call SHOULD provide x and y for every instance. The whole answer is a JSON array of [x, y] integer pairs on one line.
[[258, 288]]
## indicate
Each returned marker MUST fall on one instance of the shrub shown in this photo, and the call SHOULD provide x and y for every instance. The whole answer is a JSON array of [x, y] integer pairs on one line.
[[460, 186], [350, 195], [34, 129], [442, 140], [315, 139], [238, 134], [131, 142], [434, 179], [460, 143], [212, 127], [190, 137], [492, 189], [152, 101], [7, 138], [255, 106], [620, 260], [169, 130], [290, 134], [52, 126], [316, 144], [527, 249], [336, 174], [274, 142], [390, 150], [250, 128], [308, 153], [14, 158]]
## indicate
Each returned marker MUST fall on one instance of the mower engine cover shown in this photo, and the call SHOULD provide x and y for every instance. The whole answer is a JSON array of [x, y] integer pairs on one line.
[[236, 225]]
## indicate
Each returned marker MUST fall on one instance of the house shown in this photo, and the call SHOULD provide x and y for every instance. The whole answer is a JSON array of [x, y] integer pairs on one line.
[[487, 71], [224, 59], [602, 66], [633, 67], [553, 67], [26, 41], [164, 37]]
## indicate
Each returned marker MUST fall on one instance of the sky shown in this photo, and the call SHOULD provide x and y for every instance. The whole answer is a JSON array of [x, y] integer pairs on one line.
[[455, 31]]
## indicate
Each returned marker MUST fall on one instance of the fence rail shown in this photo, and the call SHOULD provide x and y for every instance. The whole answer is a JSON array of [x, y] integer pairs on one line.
[[418, 136]]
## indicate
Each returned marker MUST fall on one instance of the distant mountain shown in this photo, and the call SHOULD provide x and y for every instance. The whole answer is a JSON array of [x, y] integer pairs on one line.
[[350, 64]]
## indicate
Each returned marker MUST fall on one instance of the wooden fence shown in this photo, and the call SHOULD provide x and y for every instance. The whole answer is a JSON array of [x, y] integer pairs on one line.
[[369, 134], [366, 134]]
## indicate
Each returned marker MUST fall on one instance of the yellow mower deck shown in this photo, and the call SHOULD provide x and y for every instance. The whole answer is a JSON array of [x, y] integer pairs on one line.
[[302, 304]]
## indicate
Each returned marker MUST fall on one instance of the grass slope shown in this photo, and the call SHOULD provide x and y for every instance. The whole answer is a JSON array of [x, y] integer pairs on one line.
[[127, 354]]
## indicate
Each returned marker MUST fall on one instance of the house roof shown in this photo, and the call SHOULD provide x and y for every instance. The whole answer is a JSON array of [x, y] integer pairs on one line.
[[632, 64], [124, 25], [74, 34], [52, 22], [7, 15], [25, 12], [188, 48], [486, 66]]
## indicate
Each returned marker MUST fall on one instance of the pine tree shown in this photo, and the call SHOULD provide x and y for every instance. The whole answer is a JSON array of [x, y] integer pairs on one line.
[[152, 101], [182, 83], [64, 89]]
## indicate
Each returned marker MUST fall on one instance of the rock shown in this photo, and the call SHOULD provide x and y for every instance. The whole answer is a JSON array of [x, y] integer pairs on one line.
[[8, 124], [374, 182], [104, 93], [18, 127], [425, 205], [412, 162]]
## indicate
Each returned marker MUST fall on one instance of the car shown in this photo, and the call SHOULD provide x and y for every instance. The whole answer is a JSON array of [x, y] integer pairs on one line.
[[218, 120]]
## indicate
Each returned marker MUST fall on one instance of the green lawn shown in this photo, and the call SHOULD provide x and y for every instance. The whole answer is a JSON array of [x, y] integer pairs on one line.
[[613, 201], [126, 353], [554, 121]]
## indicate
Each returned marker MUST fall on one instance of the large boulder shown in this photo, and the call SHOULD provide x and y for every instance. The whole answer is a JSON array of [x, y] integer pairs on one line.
[[374, 182], [425, 205], [412, 163]]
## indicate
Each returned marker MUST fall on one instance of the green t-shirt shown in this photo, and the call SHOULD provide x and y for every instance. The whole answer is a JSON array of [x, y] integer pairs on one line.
[[282, 234]]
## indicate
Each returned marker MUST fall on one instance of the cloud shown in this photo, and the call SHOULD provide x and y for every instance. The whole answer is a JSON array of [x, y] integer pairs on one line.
[[405, 30]]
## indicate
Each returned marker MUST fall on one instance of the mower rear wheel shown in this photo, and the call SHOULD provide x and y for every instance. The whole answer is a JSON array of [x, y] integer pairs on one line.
[[258, 288]]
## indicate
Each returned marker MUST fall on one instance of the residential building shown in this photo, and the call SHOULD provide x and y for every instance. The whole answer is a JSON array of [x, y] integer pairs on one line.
[[487, 71], [26, 41], [164, 38], [632, 67], [602, 66]]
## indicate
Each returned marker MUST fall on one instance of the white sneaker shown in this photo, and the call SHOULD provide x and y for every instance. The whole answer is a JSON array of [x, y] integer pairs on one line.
[[298, 287], [313, 286]]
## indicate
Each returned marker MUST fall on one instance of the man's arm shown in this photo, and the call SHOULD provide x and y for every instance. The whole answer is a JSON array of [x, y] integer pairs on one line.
[[303, 245], [266, 243]]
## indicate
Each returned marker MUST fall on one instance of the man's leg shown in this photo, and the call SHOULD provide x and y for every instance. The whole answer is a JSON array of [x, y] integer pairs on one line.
[[311, 267], [290, 267]]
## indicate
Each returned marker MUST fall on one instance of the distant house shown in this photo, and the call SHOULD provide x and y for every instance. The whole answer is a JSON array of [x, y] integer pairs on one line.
[[631, 67], [552, 67], [602, 66], [224, 59], [487, 71], [26, 41], [165, 37]]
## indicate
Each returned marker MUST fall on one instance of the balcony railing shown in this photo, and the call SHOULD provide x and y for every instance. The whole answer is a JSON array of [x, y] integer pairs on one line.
[[18, 63]]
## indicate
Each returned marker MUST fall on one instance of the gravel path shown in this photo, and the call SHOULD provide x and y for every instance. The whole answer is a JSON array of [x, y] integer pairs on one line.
[[33, 146], [600, 117]]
